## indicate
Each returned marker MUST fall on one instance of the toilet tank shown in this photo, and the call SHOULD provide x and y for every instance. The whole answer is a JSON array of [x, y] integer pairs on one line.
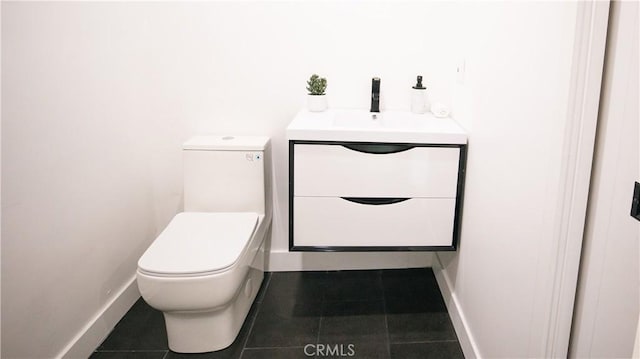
[[227, 174]]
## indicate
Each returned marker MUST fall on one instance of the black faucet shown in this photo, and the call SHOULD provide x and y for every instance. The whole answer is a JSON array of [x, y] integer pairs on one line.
[[375, 94]]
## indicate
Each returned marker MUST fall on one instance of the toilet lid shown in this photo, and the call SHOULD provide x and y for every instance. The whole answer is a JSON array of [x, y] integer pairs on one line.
[[199, 243]]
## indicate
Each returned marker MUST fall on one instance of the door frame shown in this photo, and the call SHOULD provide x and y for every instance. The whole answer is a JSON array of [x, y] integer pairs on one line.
[[578, 150]]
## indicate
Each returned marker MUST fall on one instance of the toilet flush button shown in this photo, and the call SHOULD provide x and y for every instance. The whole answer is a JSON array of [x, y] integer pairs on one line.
[[226, 138], [253, 157]]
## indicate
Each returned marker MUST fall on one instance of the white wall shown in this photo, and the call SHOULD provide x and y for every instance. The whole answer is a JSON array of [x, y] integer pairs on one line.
[[608, 298], [636, 347], [514, 101], [0, 180], [90, 166], [98, 97]]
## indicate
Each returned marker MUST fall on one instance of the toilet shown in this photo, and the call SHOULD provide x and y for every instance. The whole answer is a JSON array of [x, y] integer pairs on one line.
[[205, 268]]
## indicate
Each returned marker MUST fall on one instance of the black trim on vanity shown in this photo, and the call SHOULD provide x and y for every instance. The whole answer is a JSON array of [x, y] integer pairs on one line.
[[372, 249], [399, 147], [635, 201], [457, 219], [291, 171], [369, 145]]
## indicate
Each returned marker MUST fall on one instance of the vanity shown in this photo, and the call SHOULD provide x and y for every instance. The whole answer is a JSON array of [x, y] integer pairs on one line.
[[361, 181]]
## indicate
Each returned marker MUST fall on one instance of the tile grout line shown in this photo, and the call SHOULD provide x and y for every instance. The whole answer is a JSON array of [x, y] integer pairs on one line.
[[165, 354], [386, 321], [427, 341], [130, 350], [285, 347], [253, 321], [322, 306], [266, 287]]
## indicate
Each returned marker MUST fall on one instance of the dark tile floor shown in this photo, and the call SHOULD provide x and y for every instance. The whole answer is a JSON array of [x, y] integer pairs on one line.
[[395, 313]]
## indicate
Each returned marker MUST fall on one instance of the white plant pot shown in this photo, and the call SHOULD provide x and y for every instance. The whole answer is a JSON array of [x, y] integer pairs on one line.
[[317, 103]]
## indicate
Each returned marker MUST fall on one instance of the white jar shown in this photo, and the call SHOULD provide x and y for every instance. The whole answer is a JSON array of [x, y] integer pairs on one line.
[[419, 102]]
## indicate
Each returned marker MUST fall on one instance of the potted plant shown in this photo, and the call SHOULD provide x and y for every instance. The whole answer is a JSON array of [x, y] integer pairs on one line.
[[317, 99]]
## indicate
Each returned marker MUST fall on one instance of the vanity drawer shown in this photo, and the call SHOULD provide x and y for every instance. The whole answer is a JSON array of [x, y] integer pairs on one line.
[[335, 170], [338, 222]]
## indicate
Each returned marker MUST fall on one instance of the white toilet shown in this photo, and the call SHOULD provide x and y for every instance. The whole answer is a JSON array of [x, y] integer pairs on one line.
[[204, 270]]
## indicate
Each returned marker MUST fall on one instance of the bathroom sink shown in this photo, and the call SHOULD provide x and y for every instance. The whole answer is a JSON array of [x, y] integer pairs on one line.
[[364, 126], [380, 121], [344, 119]]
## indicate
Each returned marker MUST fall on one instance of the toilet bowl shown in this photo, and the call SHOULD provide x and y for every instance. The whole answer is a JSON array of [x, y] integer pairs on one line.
[[204, 270]]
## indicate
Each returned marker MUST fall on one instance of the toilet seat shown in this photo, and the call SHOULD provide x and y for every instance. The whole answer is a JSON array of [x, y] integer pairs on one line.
[[198, 243]]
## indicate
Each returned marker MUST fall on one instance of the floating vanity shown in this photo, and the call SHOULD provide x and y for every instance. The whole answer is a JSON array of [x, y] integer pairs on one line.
[[390, 181]]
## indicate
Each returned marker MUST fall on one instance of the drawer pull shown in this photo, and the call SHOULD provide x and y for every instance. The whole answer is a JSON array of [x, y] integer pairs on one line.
[[377, 148], [374, 201]]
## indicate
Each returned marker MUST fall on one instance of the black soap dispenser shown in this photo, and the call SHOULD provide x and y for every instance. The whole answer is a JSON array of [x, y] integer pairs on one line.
[[419, 97]]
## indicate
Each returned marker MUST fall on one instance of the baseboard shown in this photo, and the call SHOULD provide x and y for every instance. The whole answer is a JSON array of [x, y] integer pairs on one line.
[[101, 325], [460, 324], [283, 261]]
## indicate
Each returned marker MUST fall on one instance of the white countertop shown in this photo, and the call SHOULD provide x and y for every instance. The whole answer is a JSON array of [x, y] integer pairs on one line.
[[388, 126]]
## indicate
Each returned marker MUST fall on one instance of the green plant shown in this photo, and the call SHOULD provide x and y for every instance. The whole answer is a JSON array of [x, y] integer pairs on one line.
[[316, 85]]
